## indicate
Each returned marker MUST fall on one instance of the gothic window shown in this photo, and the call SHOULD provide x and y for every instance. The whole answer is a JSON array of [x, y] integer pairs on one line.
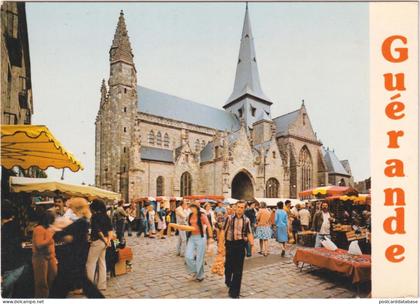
[[125, 90], [253, 111], [125, 109], [186, 182], [305, 163], [272, 188], [125, 129], [159, 138], [304, 118], [274, 154], [166, 140], [151, 137], [125, 149], [197, 145], [159, 186], [240, 112]]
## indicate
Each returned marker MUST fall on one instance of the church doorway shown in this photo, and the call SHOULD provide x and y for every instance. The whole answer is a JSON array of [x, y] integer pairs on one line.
[[242, 188]]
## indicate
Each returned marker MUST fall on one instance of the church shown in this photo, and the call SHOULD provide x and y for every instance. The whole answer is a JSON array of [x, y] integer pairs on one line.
[[150, 143]]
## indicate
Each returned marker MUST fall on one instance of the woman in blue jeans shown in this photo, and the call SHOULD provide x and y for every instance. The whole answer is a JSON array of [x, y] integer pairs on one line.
[[196, 244]]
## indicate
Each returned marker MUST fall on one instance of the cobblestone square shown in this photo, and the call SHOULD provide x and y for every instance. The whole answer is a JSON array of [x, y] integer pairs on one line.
[[158, 273]]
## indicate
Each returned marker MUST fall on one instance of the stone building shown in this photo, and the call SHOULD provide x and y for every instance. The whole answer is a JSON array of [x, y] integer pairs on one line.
[[149, 143], [16, 88], [16, 85]]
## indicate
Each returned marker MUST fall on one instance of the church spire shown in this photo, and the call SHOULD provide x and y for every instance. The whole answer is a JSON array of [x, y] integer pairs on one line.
[[247, 80], [121, 47]]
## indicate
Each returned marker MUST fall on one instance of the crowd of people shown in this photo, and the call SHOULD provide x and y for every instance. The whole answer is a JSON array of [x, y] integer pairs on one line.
[[80, 232], [84, 235]]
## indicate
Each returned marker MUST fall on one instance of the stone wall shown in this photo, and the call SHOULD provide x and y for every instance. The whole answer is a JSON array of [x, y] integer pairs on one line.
[[173, 129], [16, 85]]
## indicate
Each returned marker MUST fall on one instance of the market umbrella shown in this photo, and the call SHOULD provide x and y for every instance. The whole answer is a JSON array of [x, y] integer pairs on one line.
[[31, 145], [50, 187], [328, 190]]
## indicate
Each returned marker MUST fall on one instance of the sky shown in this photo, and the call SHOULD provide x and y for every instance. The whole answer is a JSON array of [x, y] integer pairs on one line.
[[313, 51]]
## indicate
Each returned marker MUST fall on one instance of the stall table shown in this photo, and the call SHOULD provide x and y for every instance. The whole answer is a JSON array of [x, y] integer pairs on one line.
[[358, 267]]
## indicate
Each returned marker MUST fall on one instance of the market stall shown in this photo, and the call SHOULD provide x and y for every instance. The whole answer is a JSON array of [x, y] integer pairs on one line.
[[30, 147], [357, 267], [204, 198], [350, 224], [320, 192], [26, 146], [49, 187], [272, 202]]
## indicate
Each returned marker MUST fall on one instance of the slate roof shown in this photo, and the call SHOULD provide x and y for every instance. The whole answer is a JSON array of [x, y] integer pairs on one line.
[[282, 122], [207, 153], [247, 79], [156, 154], [346, 165], [169, 106], [333, 163]]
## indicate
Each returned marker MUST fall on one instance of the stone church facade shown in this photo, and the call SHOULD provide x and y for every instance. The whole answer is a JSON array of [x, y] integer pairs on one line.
[[150, 143]]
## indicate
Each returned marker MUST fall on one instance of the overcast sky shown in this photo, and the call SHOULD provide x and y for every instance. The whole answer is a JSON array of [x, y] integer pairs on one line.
[[312, 51]]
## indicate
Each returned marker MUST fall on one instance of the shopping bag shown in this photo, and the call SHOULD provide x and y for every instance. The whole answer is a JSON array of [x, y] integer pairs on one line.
[[328, 244], [354, 248]]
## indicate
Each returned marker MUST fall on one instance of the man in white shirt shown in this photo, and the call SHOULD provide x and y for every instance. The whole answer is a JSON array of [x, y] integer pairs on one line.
[[295, 210], [322, 224], [305, 217]]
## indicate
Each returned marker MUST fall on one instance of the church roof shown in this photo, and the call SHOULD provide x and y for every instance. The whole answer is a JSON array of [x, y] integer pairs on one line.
[[263, 116], [121, 47], [247, 79], [282, 122], [207, 153], [156, 154], [333, 163], [346, 165], [169, 106]]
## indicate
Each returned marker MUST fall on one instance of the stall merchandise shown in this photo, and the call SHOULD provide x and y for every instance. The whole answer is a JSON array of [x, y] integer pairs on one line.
[[306, 238], [357, 267]]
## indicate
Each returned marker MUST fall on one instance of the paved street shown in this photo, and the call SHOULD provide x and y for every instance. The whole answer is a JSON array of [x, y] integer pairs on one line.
[[158, 273]]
